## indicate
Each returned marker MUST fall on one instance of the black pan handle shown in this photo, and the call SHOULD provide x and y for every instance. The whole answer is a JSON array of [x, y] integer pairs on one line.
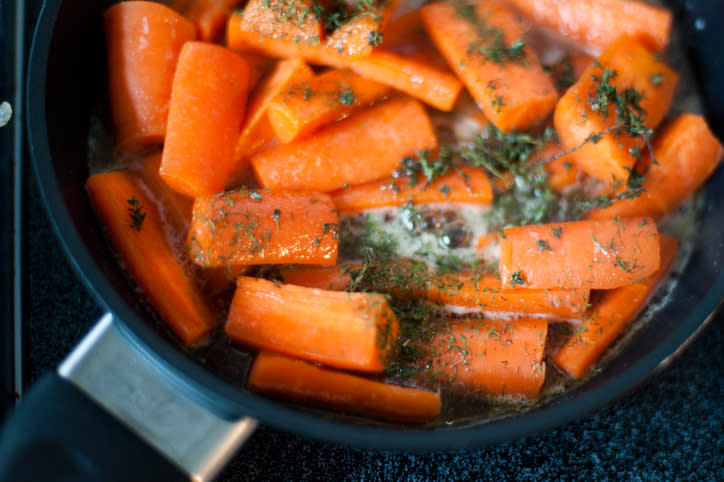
[[113, 413]]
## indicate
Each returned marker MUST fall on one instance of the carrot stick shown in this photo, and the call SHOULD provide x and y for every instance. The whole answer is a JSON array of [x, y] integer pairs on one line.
[[143, 41], [484, 293], [588, 108], [490, 357], [291, 20], [136, 231], [414, 77], [263, 227], [481, 41], [303, 382], [330, 97], [352, 331], [256, 130], [204, 119], [365, 30], [403, 27], [562, 172], [687, 153], [359, 149], [176, 206], [596, 254], [595, 24], [611, 315], [335, 278], [468, 185]]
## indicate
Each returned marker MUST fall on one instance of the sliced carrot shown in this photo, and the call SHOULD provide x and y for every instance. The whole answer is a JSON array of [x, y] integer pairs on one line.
[[256, 130], [353, 331], [258, 66], [143, 40], [365, 30], [303, 382], [595, 24], [329, 97], [366, 146], [484, 294], [562, 172], [400, 29], [176, 206], [481, 42], [610, 316], [612, 156], [209, 16], [136, 230], [335, 278], [291, 20], [686, 154], [595, 254], [467, 185], [245, 227], [199, 148], [491, 357]]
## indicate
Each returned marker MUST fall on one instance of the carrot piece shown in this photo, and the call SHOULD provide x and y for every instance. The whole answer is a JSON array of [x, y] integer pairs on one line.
[[335, 278], [263, 227], [358, 149], [352, 331], [290, 20], [687, 153], [300, 381], [484, 293], [595, 24], [490, 357], [204, 119], [144, 40], [256, 130], [578, 114], [330, 97], [365, 30], [258, 66], [468, 185], [562, 172], [176, 206], [611, 315], [481, 42], [400, 29], [209, 16], [595, 254], [120, 202], [415, 77]]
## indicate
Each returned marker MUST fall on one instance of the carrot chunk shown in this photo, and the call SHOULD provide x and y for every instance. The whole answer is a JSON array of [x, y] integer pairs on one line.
[[204, 119], [483, 43], [136, 231], [300, 381], [590, 113], [352, 331], [176, 206], [595, 24], [290, 20], [611, 315], [484, 293], [491, 357], [143, 40], [330, 97], [596, 254], [335, 278], [364, 30], [468, 185], [263, 227], [361, 148], [687, 153], [209, 16]]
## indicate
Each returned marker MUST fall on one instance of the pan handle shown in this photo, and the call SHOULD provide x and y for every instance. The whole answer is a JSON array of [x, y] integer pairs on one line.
[[110, 414]]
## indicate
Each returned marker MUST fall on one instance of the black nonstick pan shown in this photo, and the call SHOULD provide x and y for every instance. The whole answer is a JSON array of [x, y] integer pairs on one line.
[[65, 73]]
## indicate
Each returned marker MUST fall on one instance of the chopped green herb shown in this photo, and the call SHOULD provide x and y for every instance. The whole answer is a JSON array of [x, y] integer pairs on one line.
[[136, 213], [544, 246]]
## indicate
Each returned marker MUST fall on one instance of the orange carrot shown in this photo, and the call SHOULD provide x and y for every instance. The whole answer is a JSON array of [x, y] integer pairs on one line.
[[490, 357], [136, 231], [466, 185], [303, 382], [359, 149], [596, 254], [595, 24], [256, 130], [626, 67], [484, 293], [290, 20], [335, 278], [482, 42], [364, 30], [176, 206], [204, 119], [415, 77], [143, 40], [329, 97], [258, 66], [263, 227], [610, 316], [687, 153], [352, 331], [562, 172], [403, 27], [210, 16]]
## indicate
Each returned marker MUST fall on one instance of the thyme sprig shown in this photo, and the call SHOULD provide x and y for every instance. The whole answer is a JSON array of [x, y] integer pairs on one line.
[[136, 213]]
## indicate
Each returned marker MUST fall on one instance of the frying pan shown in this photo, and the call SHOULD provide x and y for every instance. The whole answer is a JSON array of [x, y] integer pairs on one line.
[[129, 368]]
